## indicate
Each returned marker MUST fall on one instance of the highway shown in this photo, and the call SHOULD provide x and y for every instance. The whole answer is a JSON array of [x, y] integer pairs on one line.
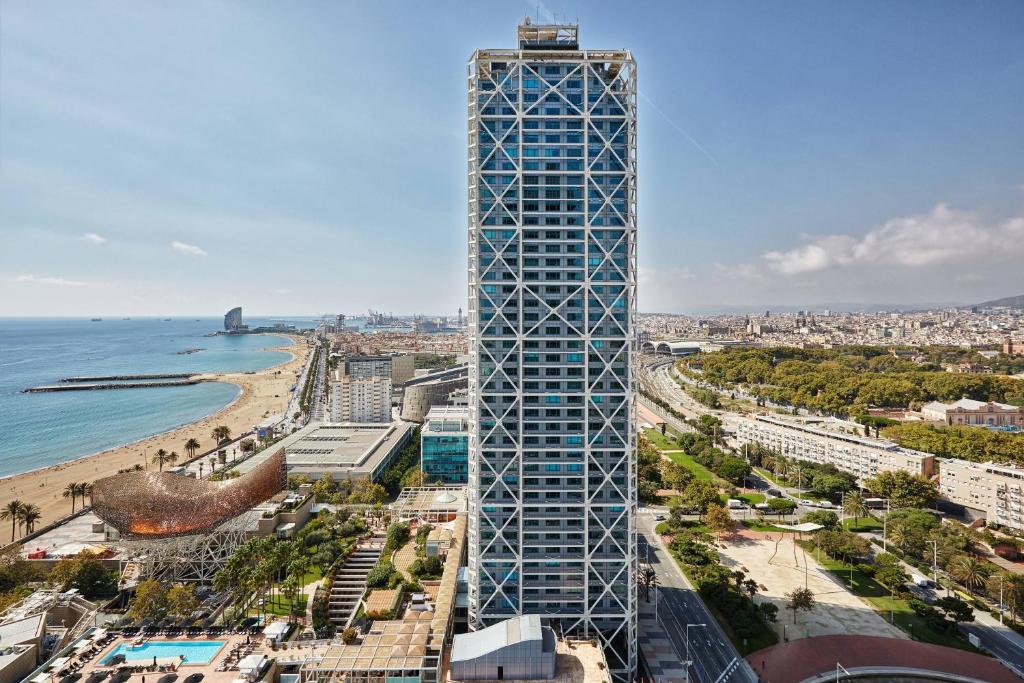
[[678, 605], [999, 640]]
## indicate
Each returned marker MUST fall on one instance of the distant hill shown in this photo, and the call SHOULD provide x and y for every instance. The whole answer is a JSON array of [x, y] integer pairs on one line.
[[1005, 302]]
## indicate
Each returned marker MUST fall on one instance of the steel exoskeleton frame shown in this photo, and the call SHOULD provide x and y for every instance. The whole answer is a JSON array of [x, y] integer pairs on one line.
[[551, 317]]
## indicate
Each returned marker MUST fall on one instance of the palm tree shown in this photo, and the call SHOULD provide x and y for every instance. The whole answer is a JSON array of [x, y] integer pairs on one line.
[[30, 514], [968, 570], [853, 505], [191, 446], [84, 489], [173, 457], [70, 491], [161, 457], [12, 511], [221, 433]]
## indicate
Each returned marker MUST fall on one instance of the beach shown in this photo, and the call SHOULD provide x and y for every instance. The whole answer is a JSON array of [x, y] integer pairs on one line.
[[264, 393]]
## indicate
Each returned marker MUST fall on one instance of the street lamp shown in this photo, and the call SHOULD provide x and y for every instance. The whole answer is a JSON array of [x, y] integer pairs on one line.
[[885, 527], [935, 562], [688, 660]]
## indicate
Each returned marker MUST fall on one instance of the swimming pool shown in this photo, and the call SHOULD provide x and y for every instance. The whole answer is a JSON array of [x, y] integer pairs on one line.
[[195, 651]]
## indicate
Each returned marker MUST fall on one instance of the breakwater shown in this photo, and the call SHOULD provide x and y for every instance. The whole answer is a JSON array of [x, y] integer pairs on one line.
[[99, 386], [119, 378]]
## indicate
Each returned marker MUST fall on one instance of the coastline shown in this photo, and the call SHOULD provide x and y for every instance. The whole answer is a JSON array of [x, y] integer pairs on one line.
[[260, 394]]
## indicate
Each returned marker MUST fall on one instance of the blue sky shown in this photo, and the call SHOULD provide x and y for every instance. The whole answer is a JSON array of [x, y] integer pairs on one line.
[[309, 157]]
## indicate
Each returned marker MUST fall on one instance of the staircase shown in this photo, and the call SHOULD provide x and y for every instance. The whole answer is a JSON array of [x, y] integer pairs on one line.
[[350, 581]]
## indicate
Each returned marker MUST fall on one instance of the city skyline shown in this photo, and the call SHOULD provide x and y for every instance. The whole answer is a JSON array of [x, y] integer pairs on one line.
[[791, 158]]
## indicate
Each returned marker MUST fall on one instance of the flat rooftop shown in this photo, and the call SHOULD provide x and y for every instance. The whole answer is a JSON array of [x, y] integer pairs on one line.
[[575, 662], [72, 537], [350, 448]]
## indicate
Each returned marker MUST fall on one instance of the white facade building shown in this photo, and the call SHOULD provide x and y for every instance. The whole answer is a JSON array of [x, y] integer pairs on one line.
[[984, 489], [361, 390], [552, 277], [861, 456]]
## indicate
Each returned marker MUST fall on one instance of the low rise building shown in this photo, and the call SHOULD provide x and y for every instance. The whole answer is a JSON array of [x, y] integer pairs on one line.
[[984, 490], [967, 411], [822, 441], [444, 445], [343, 450]]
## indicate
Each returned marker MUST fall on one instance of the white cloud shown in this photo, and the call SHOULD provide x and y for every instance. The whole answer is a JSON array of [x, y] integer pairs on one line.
[[190, 249], [943, 235], [59, 281], [94, 238]]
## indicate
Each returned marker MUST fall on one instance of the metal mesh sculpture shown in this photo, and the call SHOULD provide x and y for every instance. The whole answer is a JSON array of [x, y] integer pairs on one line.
[[163, 505]]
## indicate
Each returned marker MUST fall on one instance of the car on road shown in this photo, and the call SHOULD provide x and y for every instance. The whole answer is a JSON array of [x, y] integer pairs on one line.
[[660, 518]]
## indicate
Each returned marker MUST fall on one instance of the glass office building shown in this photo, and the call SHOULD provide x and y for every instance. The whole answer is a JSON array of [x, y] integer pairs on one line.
[[444, 446], [552, 275]]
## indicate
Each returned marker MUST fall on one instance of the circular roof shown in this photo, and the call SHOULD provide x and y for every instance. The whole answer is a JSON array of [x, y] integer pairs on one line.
[[445, 497]]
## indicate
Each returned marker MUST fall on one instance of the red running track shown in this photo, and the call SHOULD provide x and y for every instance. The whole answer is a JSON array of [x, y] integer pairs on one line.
[[800, 659]]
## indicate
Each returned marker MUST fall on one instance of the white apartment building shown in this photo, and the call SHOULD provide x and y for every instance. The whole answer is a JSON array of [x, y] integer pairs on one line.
[[985, 490], [361, 390], [808, 440]]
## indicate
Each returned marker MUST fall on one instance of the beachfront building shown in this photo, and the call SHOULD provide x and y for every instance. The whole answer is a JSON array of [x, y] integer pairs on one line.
[[967, 411], [552, 268], [361, 390], [343, 450], [827, 441], [984, 490], [444, 445]]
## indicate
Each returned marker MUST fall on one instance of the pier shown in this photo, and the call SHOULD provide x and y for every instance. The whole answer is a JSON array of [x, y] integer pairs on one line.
[[85, 385], [119, 378]]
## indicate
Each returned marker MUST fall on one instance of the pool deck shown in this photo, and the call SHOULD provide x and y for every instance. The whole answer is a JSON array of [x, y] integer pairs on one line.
[[209, 670]]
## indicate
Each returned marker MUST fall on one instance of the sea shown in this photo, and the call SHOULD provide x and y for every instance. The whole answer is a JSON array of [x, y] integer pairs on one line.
[[42, 429]]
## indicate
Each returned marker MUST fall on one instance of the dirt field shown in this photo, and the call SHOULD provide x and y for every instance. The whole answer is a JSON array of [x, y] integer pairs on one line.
[[780, 566]]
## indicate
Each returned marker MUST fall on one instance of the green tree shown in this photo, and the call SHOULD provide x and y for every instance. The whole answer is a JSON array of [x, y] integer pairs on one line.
[[30, 514], [698, 496], [674, 475], [853, 505], [181, 600], [781, 506], [192, 447], [709, 425], [733, 469], [324, 487], [800, 599], [968, 570], [904, 490], [161, 457], [150, 601], [221, 434], [12, 511], [718, 519], [71, 491], [826, 518], [954, 609]]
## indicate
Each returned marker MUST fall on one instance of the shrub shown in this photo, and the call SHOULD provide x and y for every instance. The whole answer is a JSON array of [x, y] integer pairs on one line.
[[380, 574]]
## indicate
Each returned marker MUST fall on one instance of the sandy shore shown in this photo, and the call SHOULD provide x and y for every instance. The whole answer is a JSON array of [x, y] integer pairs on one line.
[[263, 394]]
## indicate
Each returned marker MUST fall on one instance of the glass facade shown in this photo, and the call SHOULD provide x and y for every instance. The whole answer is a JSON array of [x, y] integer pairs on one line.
[[552, 253], [445, 458]]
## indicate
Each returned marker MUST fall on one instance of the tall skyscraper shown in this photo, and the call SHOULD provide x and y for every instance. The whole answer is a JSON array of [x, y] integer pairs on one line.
[[552, 276]]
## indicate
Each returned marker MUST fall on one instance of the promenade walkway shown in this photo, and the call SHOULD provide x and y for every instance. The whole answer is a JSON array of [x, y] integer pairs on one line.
[[801, 659]]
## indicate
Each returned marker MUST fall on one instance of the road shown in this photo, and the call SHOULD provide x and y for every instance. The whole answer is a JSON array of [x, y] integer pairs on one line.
[[1000, 640], [678, 605], [318, 402]]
